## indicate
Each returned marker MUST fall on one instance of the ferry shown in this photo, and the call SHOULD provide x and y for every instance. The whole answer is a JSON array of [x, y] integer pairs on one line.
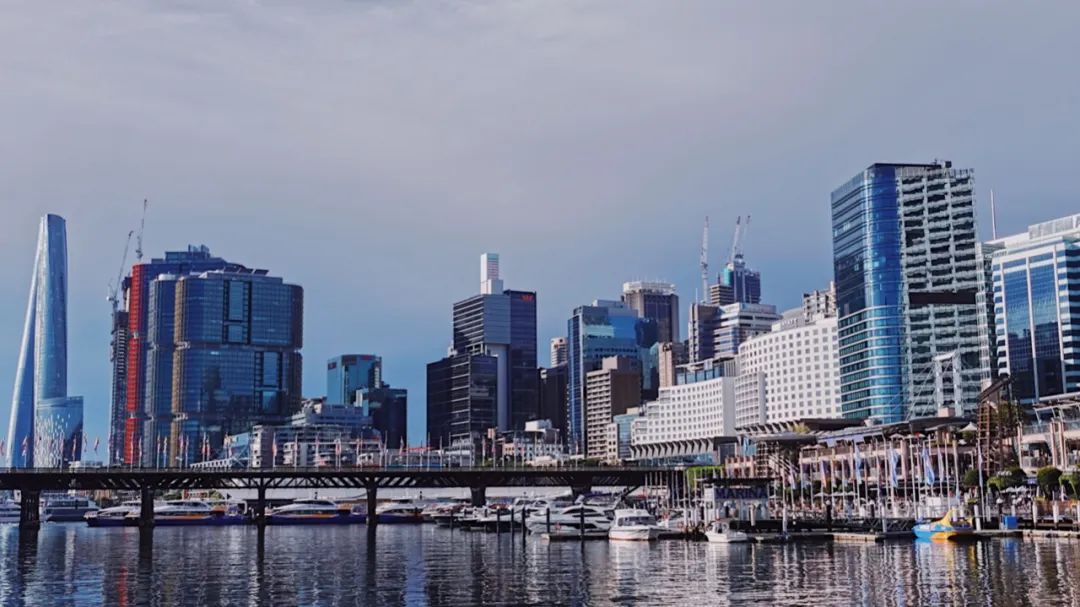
[[67, 509], [399, 512], [10, 511], [192, 512], [632, 524], [315, 512], [948, 527]]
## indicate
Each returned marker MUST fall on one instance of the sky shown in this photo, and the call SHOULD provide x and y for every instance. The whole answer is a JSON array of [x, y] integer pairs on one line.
[[371, 151]]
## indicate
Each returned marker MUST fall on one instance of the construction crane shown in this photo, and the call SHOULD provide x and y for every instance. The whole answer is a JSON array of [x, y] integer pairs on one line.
[[736, 242], [114, 287], [705, 262], [142, 226]]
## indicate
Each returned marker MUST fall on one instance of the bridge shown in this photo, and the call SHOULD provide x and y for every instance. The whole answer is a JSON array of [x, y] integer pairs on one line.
[[146, 481]]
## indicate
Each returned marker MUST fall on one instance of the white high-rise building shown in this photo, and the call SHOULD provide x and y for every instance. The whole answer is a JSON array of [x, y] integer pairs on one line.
[[790, 373], [490, 283], [558, 351]]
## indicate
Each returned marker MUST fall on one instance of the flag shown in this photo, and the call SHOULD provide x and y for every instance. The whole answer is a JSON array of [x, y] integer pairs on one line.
[[931, 478], [894, 458], [97, 443], [858, 463], [821, 471]]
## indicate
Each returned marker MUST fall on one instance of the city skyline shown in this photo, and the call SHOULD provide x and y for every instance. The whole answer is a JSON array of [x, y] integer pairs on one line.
[[771, 139]]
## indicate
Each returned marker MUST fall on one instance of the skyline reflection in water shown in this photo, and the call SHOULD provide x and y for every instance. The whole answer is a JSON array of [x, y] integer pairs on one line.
[[71, 564]]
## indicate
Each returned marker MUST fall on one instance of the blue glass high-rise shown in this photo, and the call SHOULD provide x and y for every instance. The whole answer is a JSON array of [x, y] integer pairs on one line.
[[41, 373], [606, 328], [348, 373]]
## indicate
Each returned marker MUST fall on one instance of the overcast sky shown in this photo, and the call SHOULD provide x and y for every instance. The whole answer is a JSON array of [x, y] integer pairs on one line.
[[371, 151]]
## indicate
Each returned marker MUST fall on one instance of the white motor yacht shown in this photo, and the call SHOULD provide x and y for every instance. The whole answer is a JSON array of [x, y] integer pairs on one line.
[[720, 532], [571, 520], [10, 511], [633, 524]]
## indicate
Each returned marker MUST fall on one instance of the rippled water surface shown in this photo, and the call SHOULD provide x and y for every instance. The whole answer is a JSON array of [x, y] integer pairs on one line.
[[423, 565]]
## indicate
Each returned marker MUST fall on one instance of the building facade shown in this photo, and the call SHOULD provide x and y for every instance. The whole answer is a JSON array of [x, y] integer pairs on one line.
[[603, 329], [553, 390], [462, 396], [736, 284], [609, 391], [1036, 294], [348, 373], [790, 373], [236, 357], [558, 351], [388, 409], [693, 418], [906, 274], [131, 349], [502, 324], [658, 302], [42, 415]]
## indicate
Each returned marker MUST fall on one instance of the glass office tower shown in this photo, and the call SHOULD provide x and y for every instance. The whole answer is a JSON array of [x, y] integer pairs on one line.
[[906, 272], [135, 372], [348, 373], [1036, 291], [41, 372], [657, 301], [236, 363], [606, 328]]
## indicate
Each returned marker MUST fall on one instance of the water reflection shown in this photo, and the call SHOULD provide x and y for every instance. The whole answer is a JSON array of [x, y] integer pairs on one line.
[[75, 565]]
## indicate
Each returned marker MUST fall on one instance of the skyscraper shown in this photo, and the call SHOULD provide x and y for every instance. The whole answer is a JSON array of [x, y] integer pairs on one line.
[[736, 284], [658, 302], [237, 363], [46, 426], [348, 373], [906, 278], [1036, 291], [492, 331], [558, 351], [606, 328], [142, 364]]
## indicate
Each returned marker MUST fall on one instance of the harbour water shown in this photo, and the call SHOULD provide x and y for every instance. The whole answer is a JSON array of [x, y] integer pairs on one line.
[[70, 564]]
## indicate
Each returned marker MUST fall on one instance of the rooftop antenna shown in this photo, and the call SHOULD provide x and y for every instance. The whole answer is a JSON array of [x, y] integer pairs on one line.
[[993, 216], [142, 225], [705, 262]]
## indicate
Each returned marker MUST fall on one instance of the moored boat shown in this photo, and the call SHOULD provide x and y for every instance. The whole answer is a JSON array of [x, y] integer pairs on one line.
[[572, 520], [10, 511], [315, 512], [67, 509], [948, 527], [720, 532], [399, 512], [633, 524]]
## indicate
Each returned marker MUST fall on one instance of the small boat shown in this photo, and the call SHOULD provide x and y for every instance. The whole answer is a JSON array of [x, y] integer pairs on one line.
[[10, 511], [633, 524], [948, 527], [720, 532], [67, 509], [315, 512], [447, 514], [124, 515], [399, 512], [192, 512], [673, 525]]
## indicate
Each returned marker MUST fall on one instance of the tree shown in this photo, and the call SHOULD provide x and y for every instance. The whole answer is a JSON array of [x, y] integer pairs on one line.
[[1072, 481], [1010, 477], [1048, 477], [971, 478]]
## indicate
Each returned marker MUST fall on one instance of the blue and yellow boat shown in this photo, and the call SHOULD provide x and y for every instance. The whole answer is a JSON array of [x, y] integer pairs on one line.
[[948, 527]]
